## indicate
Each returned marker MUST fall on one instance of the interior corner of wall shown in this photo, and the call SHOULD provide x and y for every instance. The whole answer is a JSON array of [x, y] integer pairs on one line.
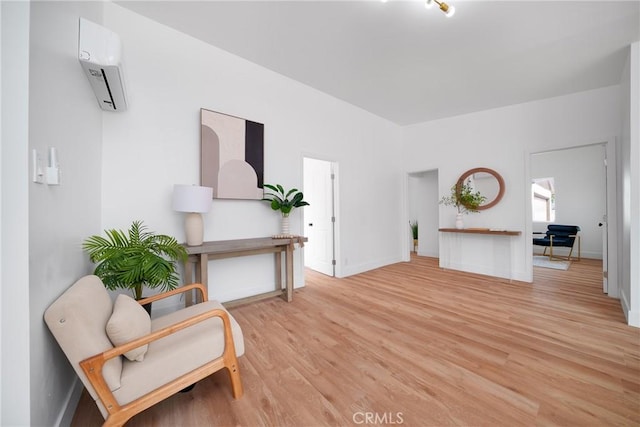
[[71, 403]]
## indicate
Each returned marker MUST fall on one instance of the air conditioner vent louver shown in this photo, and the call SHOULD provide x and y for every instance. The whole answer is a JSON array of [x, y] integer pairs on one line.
[[99, 53]]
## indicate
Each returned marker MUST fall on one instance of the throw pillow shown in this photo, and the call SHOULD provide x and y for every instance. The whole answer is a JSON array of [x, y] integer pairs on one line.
[[128, 322]]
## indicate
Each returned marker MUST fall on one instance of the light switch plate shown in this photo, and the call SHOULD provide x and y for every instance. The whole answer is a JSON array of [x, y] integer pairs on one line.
[[37, 167], [53, 176]]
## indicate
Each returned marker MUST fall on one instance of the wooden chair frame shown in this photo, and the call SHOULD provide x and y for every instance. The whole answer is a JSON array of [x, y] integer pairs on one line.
[[118, 415]]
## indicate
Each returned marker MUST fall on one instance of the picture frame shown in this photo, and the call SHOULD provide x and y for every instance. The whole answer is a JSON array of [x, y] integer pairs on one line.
[[231, 156]]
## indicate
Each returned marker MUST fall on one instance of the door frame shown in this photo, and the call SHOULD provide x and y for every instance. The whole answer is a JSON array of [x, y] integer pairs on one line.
[[610, 145], [406, 239], [337, 269]]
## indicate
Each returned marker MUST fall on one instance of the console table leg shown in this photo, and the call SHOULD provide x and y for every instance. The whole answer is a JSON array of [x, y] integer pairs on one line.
[[189, 265], [202, 274], [289, 278], [278, 257]]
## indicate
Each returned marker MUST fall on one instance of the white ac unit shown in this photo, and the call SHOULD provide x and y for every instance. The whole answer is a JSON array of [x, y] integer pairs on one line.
[[99, 53]]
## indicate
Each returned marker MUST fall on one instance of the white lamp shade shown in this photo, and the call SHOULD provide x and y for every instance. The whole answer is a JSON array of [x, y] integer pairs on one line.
[[192, 198]]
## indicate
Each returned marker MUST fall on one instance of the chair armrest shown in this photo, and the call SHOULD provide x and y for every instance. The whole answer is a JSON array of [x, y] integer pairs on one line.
[[92, 366], [176, 291]]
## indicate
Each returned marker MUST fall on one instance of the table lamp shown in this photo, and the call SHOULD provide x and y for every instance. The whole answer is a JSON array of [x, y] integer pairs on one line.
[[194, 200]]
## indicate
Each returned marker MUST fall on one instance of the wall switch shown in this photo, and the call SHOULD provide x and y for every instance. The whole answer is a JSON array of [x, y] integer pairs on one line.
[[37, 167], [52, 170], [53, 176]]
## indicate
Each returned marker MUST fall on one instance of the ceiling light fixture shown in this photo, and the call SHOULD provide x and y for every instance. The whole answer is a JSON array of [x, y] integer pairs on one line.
[[448, 10]]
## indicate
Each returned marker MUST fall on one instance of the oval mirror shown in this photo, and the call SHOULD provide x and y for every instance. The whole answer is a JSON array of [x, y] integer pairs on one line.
[[487, 181]]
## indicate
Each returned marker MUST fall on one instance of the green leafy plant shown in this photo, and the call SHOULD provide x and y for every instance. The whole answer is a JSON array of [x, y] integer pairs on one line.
[[414, 229], [136, 258], [464, 198], [284, 201]]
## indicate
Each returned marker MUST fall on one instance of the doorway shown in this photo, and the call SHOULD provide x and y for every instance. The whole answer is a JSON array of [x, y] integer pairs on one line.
[[576, 186], [423, 209], [319, 177]]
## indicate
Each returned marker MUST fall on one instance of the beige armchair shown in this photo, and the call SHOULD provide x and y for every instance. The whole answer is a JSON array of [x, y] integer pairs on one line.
[[129, 362]]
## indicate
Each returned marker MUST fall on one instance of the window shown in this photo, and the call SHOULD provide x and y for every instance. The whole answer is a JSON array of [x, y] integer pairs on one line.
[[543, 200]]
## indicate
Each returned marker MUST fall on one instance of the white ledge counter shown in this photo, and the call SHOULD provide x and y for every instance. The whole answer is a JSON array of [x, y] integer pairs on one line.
[[485, 251]]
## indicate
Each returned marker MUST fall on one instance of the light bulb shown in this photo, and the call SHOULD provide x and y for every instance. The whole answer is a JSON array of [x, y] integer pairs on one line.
[[428, 4], [450, 11]]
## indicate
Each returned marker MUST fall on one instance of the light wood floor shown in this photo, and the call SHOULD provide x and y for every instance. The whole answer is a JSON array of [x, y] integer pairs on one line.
[[411, 344]]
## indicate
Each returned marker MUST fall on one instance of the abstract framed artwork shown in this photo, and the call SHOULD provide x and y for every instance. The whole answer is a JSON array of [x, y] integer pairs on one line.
[[231, 156]]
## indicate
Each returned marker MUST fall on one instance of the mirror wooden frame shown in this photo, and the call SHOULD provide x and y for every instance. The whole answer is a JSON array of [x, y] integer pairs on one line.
[[495, 174]]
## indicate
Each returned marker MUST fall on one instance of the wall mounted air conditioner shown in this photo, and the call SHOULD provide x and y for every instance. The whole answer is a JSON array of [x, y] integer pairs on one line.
[[99, 53]]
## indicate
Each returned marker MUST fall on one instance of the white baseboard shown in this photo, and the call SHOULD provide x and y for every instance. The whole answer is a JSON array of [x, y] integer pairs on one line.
[[633, 317], [589, 254], [432, 254], [625, 305], [351, 270], [70, 405]]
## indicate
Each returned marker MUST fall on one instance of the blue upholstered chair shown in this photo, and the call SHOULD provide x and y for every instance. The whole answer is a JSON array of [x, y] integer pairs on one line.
[[557, 235]]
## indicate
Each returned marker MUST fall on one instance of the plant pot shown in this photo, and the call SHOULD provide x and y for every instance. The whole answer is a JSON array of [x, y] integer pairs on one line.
[[284, 230], [459, 222], [147, 307]]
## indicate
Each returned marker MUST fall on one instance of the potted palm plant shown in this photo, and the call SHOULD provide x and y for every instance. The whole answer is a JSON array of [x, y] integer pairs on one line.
[[135, 259], [285, 202], [414, 233]]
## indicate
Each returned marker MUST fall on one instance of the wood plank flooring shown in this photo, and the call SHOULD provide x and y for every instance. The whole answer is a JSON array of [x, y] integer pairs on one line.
[[411, 344]]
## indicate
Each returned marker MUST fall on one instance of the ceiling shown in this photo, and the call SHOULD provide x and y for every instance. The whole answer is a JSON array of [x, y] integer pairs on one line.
[[408, 64]]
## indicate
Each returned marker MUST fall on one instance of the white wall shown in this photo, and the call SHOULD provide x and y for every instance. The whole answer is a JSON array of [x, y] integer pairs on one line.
[[156, 144], [63, 113], [14, 252], [501, 139], [171, 77], [580, 184], [634, 231], [629, 190]]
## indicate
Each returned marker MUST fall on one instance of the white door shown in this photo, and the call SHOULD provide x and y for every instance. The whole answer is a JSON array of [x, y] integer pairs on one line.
[[605, 228], [319, 216]]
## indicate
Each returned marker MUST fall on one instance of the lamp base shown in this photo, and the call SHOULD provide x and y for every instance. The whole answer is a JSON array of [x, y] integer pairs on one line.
[[194, 229]]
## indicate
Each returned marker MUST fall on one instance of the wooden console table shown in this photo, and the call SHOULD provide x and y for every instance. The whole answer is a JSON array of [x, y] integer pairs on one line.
[[199, 257], [481, 231]]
